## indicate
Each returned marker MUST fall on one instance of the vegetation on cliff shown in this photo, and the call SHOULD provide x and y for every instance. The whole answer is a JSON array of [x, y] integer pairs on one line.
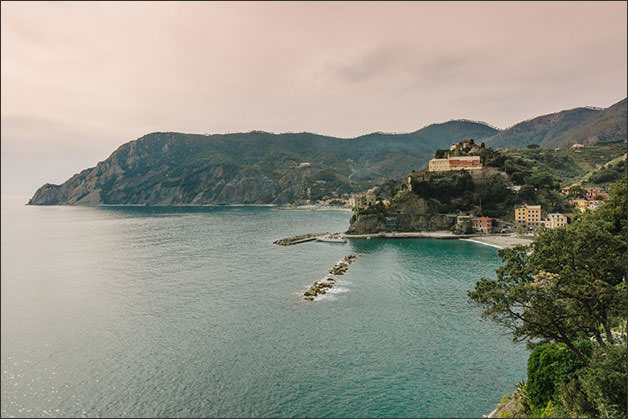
[[565, 296]]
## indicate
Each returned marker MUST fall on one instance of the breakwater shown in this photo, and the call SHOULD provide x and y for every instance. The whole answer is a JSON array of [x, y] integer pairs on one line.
[[321, 287], [289, 241]]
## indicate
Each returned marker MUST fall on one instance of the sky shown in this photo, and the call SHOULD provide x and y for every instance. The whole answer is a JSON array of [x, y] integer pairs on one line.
[[80, 79]]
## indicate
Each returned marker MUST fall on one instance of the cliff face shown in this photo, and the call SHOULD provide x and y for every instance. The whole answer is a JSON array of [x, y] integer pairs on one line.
[[412, 214], [255, 167]]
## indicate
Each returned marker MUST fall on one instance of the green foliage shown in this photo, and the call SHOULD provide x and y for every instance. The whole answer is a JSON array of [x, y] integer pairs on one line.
[[548, 365], [550, 411], [564, 164], [609, 174], [443, 186], [541, 180], [604, 382], [568, 288]]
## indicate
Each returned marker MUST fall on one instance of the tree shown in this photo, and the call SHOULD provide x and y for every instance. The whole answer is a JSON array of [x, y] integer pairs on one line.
[[566, 286]]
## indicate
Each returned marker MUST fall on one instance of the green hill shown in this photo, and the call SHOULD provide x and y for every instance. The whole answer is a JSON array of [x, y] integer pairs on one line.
[[425, 201], [609, 125], [570, 166], [254, 167], [579, 125]]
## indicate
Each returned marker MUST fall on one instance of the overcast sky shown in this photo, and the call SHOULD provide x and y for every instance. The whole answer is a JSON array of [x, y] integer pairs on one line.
[[80, 79]]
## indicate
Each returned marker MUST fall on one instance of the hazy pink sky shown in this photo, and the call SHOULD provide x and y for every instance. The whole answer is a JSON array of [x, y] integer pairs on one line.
[[79, 79]]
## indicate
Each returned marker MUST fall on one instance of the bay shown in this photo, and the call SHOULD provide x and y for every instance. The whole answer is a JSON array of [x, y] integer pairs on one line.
[[192, 311]]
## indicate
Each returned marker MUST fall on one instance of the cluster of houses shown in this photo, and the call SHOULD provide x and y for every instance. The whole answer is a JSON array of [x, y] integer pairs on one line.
[[591, 199]]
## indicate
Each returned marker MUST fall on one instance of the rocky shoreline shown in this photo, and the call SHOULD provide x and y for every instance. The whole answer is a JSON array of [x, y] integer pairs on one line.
[[321, 287]]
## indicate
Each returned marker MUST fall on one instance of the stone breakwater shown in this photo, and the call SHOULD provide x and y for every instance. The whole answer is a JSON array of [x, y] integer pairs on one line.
[[289, 241], [321, 287]]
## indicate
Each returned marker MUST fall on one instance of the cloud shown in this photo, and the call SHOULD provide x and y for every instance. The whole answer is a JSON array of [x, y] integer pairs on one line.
[[95, 75]]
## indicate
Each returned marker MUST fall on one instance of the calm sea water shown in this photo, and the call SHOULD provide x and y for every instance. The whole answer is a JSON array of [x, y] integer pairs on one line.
[[194, 312]]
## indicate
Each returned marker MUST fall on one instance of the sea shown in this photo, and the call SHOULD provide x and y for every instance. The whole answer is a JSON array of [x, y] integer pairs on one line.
[[194, 312]]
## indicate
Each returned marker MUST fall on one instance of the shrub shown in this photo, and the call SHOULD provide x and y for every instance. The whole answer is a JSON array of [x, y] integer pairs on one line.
[[548, 365], [604, 381]]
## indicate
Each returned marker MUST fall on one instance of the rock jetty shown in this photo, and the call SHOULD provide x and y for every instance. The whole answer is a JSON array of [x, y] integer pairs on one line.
[[321, 287], [289, 241]]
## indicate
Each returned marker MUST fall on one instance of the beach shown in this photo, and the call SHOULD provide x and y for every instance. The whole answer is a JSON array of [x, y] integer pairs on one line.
[[500, 242]]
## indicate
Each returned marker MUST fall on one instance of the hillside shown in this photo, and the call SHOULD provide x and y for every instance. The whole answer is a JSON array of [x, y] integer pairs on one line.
[[254, 167], [579, 125], [427, 201], [610, 124], [260, 167], [570, 166]]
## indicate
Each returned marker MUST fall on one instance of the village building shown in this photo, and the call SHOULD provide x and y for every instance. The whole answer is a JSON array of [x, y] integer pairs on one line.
[[483, 225], [464, 224], [365, 200], [555, 220], [576, 146], [583, 204], [455, 163], [594, 194], [528, 215]]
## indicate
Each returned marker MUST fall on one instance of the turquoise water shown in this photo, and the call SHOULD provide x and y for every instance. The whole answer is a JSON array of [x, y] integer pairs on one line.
[[194, 312]]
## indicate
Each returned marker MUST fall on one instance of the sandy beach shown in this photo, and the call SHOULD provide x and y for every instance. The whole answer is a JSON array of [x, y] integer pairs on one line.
[[499, 242]]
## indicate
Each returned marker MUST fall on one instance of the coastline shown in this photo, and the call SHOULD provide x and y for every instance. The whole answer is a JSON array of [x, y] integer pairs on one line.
[[499, 242], [313, 207]]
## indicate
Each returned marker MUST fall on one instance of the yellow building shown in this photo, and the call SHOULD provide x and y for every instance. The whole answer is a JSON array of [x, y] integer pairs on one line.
[[528, 215], [455, 163], [439, 165]]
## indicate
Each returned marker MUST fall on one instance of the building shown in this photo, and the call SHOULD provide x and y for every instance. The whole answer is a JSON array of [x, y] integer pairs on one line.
[[576, 146], [555, 220], [455, 163], [364, 200], [594, 194], [583, 204], [464, 224], [528, 215], [483, 224]]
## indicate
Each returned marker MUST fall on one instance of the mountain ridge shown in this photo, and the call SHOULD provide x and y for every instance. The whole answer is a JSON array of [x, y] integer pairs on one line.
[[257, 167]]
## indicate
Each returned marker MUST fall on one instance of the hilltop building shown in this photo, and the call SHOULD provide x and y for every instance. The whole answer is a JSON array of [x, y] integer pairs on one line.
[[528, 215], [455, 163]]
